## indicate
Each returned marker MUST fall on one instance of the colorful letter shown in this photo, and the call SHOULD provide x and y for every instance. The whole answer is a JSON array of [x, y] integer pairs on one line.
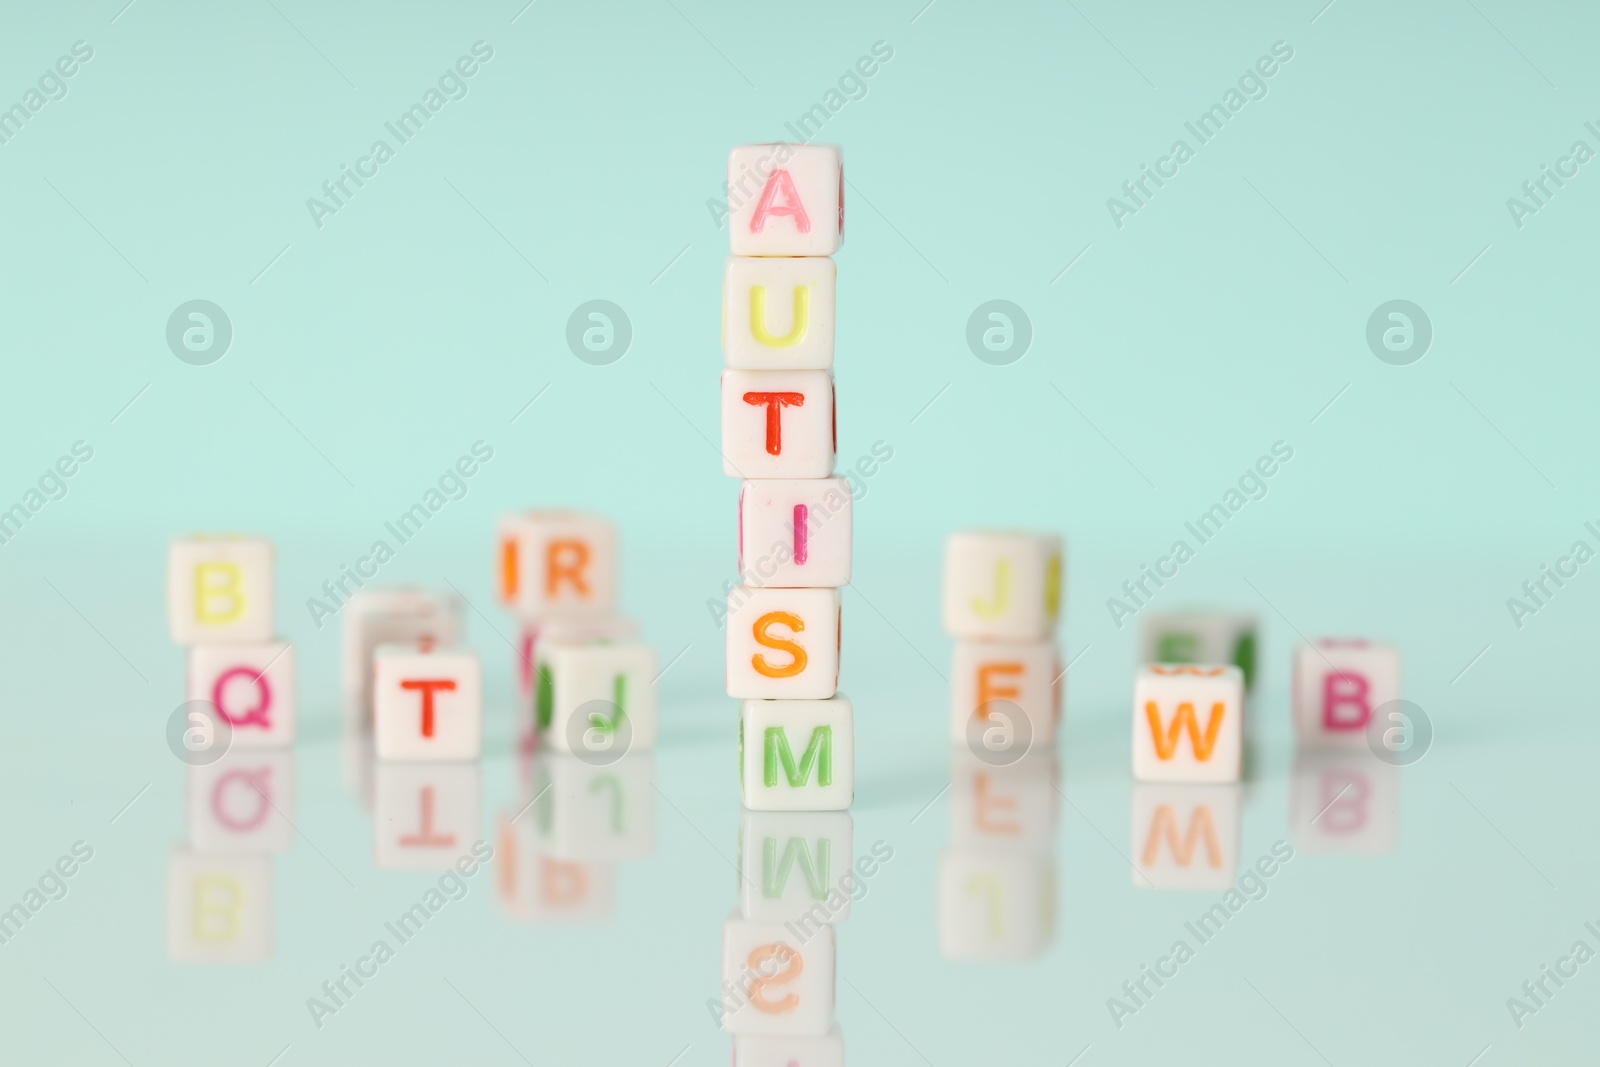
[[818, 754], [1167, 739], [1343, 690], [758, 317], [571, 568], [427, 686], [213, 582], [775, 402], [778, 182], [765, 639]]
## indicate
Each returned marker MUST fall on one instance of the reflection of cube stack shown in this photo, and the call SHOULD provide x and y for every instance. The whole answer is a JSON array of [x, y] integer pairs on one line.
[[1002, 600], [796, 735], [235, 733]]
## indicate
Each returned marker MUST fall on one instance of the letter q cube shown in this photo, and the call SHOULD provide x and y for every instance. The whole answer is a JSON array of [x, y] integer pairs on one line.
[[252, 686]]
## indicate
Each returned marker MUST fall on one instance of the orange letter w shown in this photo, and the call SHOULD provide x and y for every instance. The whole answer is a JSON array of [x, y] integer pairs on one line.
[[1167, 740]]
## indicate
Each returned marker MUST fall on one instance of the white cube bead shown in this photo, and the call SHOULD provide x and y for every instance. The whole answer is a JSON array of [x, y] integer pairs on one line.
[[595, 812], [565, 632], [598, 700], [1337, 687], [428, 815], [778, 314], [783, 643], [427, 704], [252, 686], [1015, 806], [995, 904], [1185, 836], [1188, 723], [559, 565], [220, 589], [1005, 694], [243, 802], [795, 532], [1201, 637], [382, 615], [219, 907], [797, 755], [774, 981], [1344, 802], [796, 863], [765, 1050], [777, 424], [785, 200], [1002, 585], [536, 887]]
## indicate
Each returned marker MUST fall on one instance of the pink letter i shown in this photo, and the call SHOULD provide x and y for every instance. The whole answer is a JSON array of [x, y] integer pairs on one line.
[[800, 534]]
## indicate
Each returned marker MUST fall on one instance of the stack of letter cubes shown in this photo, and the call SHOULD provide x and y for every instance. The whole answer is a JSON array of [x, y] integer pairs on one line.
[[1002, 600], [239, 724], [796, 736], [589, 683]]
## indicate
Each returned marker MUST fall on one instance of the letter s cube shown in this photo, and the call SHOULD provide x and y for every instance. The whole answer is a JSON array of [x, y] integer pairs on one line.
[[783, 643], [220, 590]]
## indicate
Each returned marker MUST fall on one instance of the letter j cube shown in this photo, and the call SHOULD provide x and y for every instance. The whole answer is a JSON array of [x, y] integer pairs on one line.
[[1002, 585], [797, 755], [1338, 687], [427, 703], [1188, 723], [219, 590]]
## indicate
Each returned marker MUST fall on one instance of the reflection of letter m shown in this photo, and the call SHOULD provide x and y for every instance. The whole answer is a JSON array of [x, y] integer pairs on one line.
[[818, 754], [775, 871], [1165, 825]]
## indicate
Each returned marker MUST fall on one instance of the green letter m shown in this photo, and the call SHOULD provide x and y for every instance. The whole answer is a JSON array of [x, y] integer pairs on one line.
[[818, 753]]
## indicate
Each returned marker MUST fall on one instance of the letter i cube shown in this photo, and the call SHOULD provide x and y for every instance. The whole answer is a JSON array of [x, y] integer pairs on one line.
[[795, 532], [219, 590], [558, 565], [1002, 586], [783, 643], [427, 703], [597, 701], [797, 755], [1338, 687], [252, 686], [786, 200], [1188, 723]]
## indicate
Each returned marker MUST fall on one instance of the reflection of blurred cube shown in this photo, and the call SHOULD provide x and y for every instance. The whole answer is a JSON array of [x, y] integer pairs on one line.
[[1010, 806], [1185, 836], [427, 814], [995, 905], [1337, 687], [992, 680], [796, 863], [219, 907], [588, 812], [1345, 802], [535, 887], [775, 982], [1201, 637], [756, 1051], [244, 802]]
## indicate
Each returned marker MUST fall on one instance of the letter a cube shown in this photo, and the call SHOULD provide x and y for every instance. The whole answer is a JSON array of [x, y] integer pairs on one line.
[[1338, 687], [1002, 586], [797, 755], [1188, 723], [219, 590], [785, 200], [558, 565], [427, 703]]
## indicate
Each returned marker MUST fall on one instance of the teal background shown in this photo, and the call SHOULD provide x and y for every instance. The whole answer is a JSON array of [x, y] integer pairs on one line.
[[1224, 316]]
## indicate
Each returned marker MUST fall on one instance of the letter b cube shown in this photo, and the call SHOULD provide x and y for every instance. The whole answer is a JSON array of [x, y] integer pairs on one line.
[[1338, 687], [219, 590]]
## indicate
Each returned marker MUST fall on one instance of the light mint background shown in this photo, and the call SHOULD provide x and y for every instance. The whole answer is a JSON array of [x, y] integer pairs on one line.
[[1222, 317]]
